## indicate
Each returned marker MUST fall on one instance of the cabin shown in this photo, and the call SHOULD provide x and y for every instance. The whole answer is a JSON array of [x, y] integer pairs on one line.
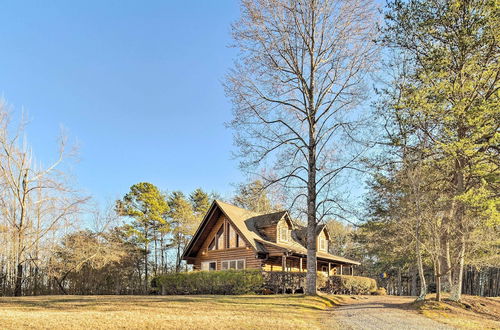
[[230, 237]]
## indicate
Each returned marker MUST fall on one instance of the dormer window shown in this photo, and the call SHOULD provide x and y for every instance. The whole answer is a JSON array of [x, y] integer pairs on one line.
[[284, 234], [322, 244]]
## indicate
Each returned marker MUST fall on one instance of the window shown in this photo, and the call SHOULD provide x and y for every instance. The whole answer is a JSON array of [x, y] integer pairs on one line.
[[211, 246], [219, 238], [209, 265], [233, 238], [322, 244], [283, 234], [239, 241], [233, 264]]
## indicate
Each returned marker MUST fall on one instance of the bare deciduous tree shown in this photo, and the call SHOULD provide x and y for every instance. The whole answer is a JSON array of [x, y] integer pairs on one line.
[[35, 201], [301, 70]]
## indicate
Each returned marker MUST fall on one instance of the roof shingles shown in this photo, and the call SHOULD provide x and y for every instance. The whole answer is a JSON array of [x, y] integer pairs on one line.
[[249, 223]]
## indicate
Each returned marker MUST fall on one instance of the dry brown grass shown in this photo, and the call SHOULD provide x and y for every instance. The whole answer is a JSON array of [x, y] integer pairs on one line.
[[473, 312], [173, 312]]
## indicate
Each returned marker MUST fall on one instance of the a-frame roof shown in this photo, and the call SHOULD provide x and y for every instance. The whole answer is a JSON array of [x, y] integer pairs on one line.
[[241, 219], [248, 224]]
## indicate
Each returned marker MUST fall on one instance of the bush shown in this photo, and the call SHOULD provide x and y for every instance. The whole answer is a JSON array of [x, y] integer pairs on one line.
[[380, 292], [213, 282], [291, 282], [284, 282], [321, 280], [347, 284]]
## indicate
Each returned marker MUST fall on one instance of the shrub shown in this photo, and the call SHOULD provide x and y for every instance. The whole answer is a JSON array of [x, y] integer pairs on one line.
[[291, 282], [284, 281], [380, 292], [347, 284], [213, 282], [321, 280]]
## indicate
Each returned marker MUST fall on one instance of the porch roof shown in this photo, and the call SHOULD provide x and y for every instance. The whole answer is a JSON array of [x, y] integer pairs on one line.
[[299, 250]]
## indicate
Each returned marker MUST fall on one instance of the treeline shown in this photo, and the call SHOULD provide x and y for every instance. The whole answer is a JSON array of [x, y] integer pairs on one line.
[[37, 204], [43, 248], [46, 246], [122, 258], [433, 205]]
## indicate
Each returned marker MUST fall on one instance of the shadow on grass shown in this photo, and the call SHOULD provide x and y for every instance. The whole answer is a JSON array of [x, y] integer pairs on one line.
[[107, 303]]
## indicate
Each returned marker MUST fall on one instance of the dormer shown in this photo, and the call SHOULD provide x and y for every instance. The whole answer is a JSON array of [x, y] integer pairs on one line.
[[275, 227], [284, 231], [323, 239]]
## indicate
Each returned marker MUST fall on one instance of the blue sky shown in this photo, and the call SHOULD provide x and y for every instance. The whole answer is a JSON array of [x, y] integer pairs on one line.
[[136, 83]]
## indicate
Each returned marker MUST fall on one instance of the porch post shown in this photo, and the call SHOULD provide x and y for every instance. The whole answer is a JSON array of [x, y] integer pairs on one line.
[[352, 270], [300, 264], [340, 269], [283, 263], [329, 268]]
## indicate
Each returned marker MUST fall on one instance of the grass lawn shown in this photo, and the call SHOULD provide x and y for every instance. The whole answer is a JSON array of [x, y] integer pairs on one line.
[[154, 312], [473, 312]]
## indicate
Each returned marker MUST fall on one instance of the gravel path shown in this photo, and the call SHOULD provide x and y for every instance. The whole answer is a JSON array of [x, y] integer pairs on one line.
[[382, 312]]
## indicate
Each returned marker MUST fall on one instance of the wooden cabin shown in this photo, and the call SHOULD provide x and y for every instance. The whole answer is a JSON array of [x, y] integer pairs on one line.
[[230, 237]]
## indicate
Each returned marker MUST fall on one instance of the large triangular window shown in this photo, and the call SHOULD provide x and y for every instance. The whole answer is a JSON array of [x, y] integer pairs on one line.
[[234, 239], [219, 238]]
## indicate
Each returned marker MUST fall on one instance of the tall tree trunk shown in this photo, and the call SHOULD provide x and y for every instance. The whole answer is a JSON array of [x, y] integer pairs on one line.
[[146, 279], [420, 266], [414, 273], [400, 283], [162, 251], [456, 288], [19, 252], [311, 288], [437, 277], [35, 283], [156, 255], [178, 256], [449, 278], [19, 280]]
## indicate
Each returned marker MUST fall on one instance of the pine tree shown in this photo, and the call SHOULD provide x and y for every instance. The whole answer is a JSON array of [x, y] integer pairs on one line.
[[184, 223], [148, 207], [451, 96], [200, 202]]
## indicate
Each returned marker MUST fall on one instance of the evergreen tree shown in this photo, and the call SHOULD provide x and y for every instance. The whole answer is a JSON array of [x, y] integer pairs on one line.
[[184, 223], [200, 201], [451, 98], [148, 207]]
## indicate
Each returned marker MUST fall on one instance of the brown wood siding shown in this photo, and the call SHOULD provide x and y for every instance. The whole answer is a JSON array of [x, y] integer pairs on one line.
[[274, 251], [251, 262], [245, 252], [270, 232]]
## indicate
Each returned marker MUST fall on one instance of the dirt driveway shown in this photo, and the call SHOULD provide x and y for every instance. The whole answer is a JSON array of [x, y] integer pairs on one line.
[[382, 312]]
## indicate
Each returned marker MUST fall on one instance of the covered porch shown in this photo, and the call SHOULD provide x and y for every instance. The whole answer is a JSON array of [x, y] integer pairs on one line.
[[298, 263]]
